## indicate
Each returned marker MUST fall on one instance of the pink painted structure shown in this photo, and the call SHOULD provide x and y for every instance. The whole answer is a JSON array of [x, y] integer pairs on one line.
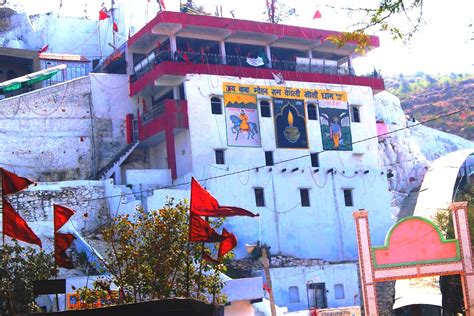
[[414, 247]]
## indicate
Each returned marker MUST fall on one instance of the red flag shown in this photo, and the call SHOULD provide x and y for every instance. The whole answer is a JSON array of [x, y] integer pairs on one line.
[[43, 49], [162, 4], [204, 204], [103, 15], [207, 257], [201, 231], [61, 216], [266, 288], [115, 27], [317, 15], [11, 183], [227, 244], [16, 227], [61, 243]]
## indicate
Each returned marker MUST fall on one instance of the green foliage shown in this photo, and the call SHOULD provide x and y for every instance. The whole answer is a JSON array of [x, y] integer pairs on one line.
[[20, 266], [149, 257]]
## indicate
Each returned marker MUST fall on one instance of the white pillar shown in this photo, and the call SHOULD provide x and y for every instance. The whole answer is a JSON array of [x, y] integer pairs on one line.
[[176, 94], [173, 44], [222, 52], [269, 55]]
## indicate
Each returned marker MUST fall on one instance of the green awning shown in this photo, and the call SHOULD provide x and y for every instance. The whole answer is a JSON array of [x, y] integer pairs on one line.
[[30, 79]]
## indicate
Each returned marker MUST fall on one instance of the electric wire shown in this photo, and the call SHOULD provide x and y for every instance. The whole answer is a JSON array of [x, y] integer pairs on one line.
[[185, 183]]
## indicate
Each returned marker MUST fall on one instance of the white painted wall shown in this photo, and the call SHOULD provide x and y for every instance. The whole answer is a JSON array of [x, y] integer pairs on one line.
[[326, 228], [183, 153], [161, 177], [332, 274]]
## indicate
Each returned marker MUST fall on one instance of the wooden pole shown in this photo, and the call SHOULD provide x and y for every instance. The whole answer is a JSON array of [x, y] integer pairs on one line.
[[266, 269]]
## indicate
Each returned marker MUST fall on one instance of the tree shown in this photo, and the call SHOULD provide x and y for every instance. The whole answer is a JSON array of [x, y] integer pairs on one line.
[[277, 12], [149, 257], [20, 266]]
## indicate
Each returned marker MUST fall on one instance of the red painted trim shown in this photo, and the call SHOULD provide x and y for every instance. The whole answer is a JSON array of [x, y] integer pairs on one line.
[[175, 116], [239, 25], [129, 128], [181, 69]]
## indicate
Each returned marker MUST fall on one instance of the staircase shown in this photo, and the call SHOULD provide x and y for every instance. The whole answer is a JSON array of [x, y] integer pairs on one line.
[[108, 170]]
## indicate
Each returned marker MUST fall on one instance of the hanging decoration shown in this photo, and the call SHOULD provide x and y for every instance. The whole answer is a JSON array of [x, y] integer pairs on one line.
[[12, 183], [115, 27], [43, 49]]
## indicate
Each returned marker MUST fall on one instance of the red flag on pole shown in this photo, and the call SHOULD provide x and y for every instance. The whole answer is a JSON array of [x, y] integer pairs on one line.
[[317, 15], [16, 227], [61, 243], [204, 204], [162, 3], [201, 231], [115, 27], [11, 183], [103, 15], [227, 244], [61, 216], [43, 49]]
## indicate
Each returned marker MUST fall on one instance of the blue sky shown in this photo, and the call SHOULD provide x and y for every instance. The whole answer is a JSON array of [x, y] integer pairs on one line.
[[442, 44]]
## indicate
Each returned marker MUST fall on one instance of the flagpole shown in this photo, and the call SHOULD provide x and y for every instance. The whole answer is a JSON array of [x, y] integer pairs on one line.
[[200, 264]]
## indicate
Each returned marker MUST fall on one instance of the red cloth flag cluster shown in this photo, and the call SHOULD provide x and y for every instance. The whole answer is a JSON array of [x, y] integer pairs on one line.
[[204, 204], [12, 183], [16, 227], [13, 224], [62, 241], [103, 14]]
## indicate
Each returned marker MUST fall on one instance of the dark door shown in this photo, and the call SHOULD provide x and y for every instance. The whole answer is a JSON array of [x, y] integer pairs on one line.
[[317, 295]]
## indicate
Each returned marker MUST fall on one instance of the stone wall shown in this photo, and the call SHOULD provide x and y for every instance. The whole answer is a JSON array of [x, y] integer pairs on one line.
[[66, 131], [87, 198]]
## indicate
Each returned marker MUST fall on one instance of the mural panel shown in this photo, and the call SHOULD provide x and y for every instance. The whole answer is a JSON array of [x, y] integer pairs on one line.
[[290, 123], [335, 125], [241, 117]]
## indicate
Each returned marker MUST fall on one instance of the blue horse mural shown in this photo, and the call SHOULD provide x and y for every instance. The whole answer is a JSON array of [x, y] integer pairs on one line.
[[236, 128]]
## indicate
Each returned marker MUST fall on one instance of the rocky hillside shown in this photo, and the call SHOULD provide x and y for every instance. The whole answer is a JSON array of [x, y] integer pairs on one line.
[[424, 97]]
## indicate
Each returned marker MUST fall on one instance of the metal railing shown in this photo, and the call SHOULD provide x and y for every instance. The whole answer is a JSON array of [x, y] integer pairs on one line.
[[312, 65], [156, 110]]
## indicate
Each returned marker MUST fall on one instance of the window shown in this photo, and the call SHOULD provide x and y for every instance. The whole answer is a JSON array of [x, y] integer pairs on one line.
[[294, 294], [216, 105], [265, 109], [348, 197], [269, 158], [312, 112], [355, 114], [314, 160], [339, 291], [304, 193], [259, 197], [220, 157]]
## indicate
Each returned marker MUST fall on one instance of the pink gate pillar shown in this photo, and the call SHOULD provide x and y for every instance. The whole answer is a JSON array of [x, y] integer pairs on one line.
[[414, 248], [369, 292], [461, 230]]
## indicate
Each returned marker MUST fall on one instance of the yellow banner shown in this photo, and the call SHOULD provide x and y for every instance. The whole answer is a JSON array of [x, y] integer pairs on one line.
[[284, 92]]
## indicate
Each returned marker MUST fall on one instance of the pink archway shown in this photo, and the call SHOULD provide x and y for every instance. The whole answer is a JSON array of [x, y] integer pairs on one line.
[[414, 247]]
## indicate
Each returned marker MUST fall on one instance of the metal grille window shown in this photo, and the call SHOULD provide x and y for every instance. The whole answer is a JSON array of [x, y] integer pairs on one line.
[[312, 112], [259, 197], [304, 193], [216, 105]]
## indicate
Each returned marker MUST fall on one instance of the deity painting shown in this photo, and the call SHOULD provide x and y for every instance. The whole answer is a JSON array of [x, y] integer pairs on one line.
[[242, 120], [335, 125]]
